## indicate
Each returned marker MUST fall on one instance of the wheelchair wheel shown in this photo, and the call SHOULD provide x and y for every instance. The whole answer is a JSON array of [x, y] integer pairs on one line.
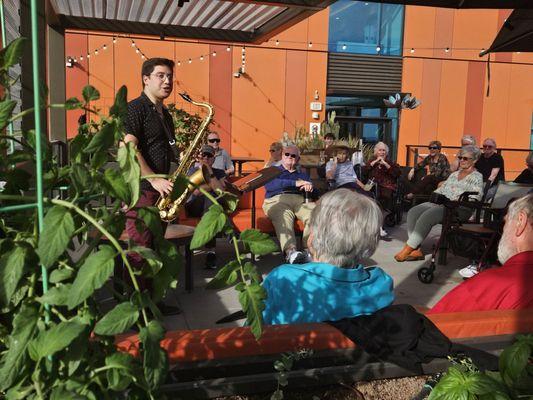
[[390, 220], [425, 275]]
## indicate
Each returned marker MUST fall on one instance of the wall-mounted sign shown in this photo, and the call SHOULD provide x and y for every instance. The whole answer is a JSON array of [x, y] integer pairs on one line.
[[314, 128], [316, 106]]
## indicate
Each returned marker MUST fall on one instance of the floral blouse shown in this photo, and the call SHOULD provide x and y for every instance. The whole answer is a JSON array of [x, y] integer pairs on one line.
[[439, 169], [452, 187]]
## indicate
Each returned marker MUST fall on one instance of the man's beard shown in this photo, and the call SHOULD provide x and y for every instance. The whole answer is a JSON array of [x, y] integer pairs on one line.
[[506, 249]]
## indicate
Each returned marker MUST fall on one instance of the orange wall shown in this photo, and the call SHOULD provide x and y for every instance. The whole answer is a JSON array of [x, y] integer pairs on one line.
[[452, 86], [250, 112]]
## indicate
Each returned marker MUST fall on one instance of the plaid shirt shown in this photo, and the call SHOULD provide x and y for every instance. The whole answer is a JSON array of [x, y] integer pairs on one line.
[[439, 169]]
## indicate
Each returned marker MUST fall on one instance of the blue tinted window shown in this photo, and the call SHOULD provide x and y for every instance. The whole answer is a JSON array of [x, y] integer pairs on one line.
[[365, 28]]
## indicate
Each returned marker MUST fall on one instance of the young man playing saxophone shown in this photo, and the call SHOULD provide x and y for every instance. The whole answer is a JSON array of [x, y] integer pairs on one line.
[[149, 126]]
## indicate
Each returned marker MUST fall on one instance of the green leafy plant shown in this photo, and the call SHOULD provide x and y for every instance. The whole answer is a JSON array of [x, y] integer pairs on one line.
[[283, 366], [56, 340], [513, 381], [330, 126], [185, 125]]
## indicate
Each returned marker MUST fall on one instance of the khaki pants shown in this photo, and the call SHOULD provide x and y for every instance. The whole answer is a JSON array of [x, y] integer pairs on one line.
[[282, 209]]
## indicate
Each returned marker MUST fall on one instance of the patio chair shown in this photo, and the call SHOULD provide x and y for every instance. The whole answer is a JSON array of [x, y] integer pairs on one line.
[[476, 240]]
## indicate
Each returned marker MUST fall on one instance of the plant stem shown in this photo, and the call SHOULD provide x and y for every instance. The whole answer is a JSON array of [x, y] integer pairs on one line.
[[58, 313], [111, 239]]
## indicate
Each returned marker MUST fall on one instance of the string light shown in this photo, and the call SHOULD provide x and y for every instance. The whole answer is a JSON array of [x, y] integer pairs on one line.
[[190, 60], [88, 55], [228, 48], [132, 43], [81, 58], [277, 42], [412, 50], [179, 63], [447, 49], [96, 52], [214, 53], [201, 58], [310, 44], [344, 47], [137, 51], [378, 48], [114, 39], [104, 47]]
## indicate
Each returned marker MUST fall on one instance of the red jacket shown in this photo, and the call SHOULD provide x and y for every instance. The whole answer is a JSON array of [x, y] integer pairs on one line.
[[509, 287]]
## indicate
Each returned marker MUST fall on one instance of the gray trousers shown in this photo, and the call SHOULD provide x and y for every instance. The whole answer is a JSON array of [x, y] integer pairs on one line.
[[423, 217]]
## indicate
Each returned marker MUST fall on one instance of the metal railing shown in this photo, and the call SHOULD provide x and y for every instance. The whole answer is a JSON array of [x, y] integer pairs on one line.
[[514, 158]]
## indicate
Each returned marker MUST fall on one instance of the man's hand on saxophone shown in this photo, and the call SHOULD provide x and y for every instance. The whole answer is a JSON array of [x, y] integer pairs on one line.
[[163, 186]]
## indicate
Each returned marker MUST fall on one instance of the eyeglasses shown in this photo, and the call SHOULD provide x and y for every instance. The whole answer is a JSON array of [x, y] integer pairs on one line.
[[213, 140], [487, 146], [207, 155], [460, 158], [291, 155], [161, 76], [433, 148]]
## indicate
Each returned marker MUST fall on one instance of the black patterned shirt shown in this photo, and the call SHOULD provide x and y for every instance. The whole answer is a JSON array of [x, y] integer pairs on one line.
[[440, 168], [144, 122]]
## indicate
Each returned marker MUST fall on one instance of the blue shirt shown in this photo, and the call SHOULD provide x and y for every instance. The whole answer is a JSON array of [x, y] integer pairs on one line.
[[285, 181], [317, 292], [344, 173]]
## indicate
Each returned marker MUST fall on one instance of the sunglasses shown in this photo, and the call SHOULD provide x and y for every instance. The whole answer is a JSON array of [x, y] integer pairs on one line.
[[213, 140], [433, 148], [207, 155], [464, 158], [291, 155], [487, 146]]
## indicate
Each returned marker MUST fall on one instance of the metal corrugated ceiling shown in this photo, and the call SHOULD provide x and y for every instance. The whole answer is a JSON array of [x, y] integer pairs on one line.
[[241, 20]]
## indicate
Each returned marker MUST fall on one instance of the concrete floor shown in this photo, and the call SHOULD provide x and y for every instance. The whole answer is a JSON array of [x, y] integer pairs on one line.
[[202, 307]]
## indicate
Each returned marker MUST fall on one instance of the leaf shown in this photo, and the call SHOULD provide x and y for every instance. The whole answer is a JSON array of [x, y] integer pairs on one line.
[[153, 262], [60, 275], [58, 228], [119, 377], [252, 301], [56, 296], [250, 270], [150, 217], [259, 243], [513, 361], [155, 361], [80, 177], [130, 169], [167, 276], [118, 320], [90, 93], [116, 186], [94, 272], [230, 202], [73, 103], [180, 184], [24, 327], [103, 139], [212, 222], [6, 108], [55, 339], [120, 108], [12, 267], [10, 55], [226, 276]]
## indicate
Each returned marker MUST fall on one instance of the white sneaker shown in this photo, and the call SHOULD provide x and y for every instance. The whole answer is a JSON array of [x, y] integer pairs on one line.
[[297, 257], [469, 271], [383, 233]]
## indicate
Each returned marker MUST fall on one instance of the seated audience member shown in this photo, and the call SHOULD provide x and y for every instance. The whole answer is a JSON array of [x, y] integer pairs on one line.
[[508, 287], [439, 170], [385, 172], [423, 217], [275, 155], [490, 165], [526, 176], [466, 140], [222, 158], [329, 140], [341, 171], [285, 199], [197, 204], [344, 230]]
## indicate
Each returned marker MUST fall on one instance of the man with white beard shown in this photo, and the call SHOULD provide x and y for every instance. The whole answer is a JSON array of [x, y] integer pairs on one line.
[[510, 286]]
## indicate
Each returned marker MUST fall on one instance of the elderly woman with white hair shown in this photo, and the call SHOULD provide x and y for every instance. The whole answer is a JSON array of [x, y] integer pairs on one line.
[[423, 217], [466, 140], [385, 172], [344, 230]]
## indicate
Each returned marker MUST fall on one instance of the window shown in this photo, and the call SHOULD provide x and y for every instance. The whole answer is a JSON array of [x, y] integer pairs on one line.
[[365, 117], [365, 28]]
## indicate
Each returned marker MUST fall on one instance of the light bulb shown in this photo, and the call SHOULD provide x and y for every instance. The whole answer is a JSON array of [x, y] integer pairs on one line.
[[310, 44], [214, 53], [132, 43], [81, 58], [105, 47], [412, 50], [277, 42], [96, 52], [378, 49], [201, 58], [228, 48], [114, 40], [190, 60], [137, 51], [447, 49], [344, 47], [179, 63]]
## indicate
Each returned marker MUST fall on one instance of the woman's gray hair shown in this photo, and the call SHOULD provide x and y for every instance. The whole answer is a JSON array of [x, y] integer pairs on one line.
[[381, 144], [470, 139], [524, 204], [474, 150], [344, 228]]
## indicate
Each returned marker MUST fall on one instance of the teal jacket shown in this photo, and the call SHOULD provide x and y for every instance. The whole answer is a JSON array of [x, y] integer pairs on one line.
[[317, 292]]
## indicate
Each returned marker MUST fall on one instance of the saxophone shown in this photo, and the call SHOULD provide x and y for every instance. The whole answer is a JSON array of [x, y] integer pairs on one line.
[[168, 209]]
